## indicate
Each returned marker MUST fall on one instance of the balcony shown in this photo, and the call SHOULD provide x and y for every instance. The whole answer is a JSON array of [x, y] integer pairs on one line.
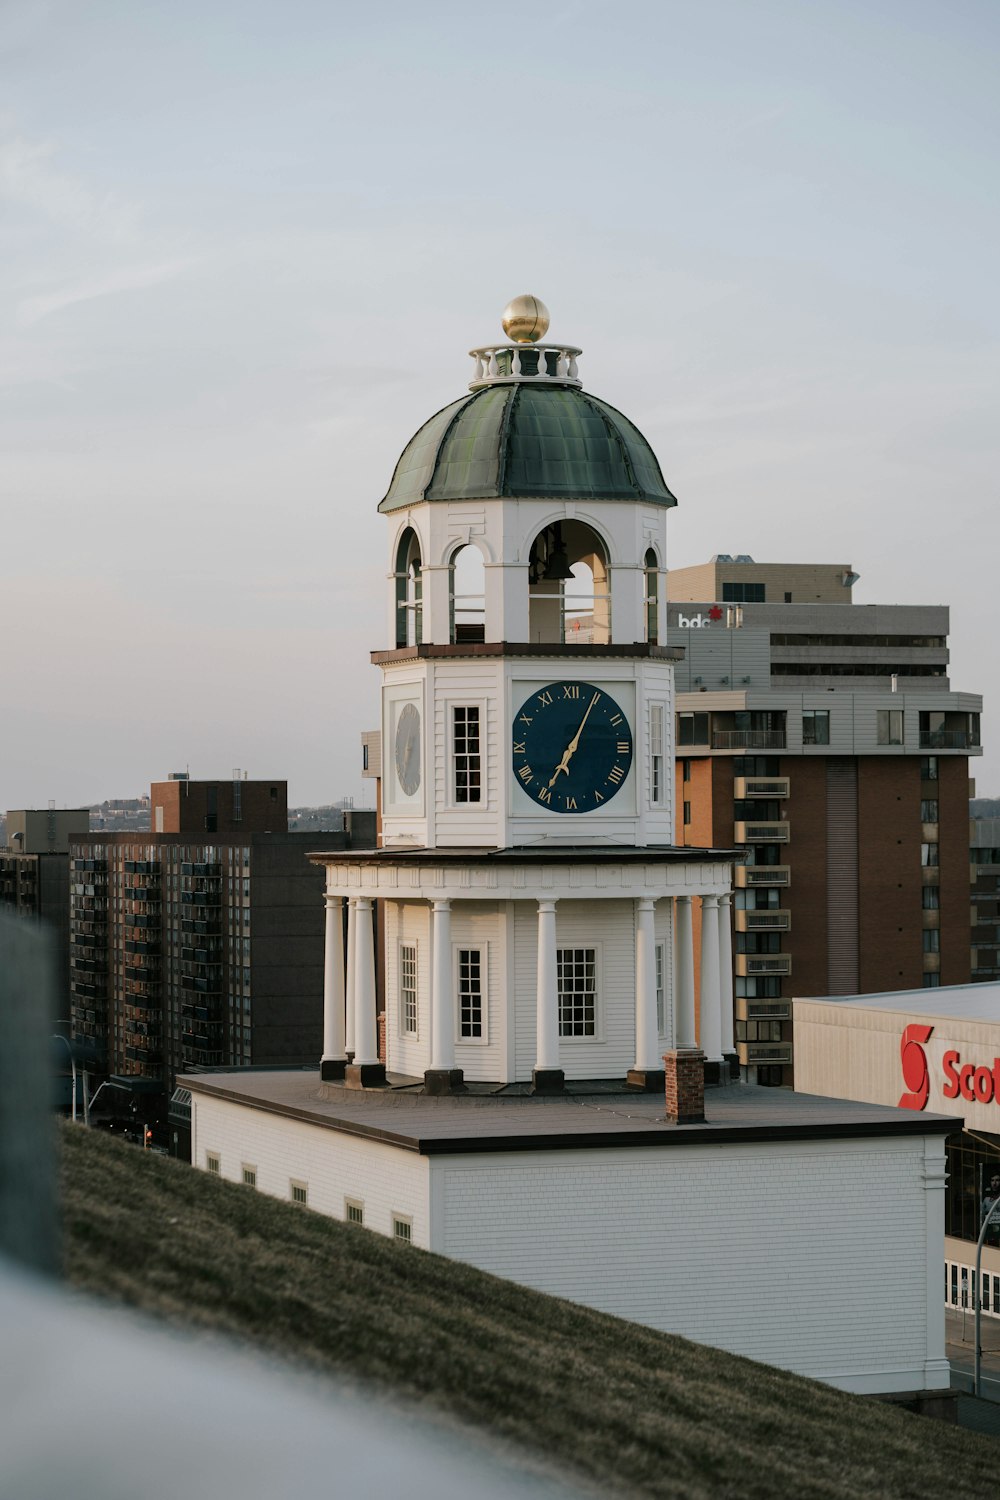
[[946, 739], [201, 898], [748, 739], [747, 787], [751, 876], [749, 964], [763, 1052], [761, 833], [769, 919], [762, 1010], [205, 929]]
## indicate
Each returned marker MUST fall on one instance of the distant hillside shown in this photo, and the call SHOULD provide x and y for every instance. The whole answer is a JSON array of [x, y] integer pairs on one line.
[[636, 1413]]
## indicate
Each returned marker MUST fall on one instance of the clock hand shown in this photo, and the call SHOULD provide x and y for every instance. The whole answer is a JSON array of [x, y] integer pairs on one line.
[[571, 748]]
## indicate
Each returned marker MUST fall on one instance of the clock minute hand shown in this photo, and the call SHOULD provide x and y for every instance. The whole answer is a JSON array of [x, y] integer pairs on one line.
[[570, 751]]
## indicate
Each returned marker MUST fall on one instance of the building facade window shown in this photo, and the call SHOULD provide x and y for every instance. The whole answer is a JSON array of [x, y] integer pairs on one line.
[[656, 754], [298, 1192], [932, 939], [687, 814], [470, 994], [213, 1164], [889, 726], [931, 897], [928, 854], [466, 752], [652, 597], [815, 726], [743, 593], [928, 810], [928, 768], [402, 1229], [576, 971], [408, 989], [661, 990], [354, 1211], [692, 729], [249, 1176]]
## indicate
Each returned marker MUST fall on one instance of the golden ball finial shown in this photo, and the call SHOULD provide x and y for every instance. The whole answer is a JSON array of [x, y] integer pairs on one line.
[[525, 320]]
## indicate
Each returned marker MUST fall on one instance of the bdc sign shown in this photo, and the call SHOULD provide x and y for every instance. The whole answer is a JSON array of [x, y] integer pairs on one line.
[[977, 1083]]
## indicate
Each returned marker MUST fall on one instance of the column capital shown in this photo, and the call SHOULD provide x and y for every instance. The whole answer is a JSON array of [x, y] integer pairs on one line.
[[546, 903], [646, 903], [726, 898], [685, 899], [441, 903], [710, 899]]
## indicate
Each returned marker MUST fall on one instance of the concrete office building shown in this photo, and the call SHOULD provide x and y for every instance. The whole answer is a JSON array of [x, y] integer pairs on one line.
[[823, 738], [201, 943]]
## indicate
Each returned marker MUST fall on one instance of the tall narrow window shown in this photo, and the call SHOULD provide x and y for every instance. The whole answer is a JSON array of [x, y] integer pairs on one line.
[[889, 727], [470, 993], [467, 575], [656, 753], [468, 756], [408, 989], [652, 598], [661, 993], [409, 591], [576, 970], [815, 726]]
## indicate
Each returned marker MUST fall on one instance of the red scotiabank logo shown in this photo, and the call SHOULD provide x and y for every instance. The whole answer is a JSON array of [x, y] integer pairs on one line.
[[914, 1063]]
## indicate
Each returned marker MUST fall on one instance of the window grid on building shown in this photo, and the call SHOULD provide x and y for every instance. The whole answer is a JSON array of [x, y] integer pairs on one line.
[[576, 971], [468, 758], [213, 1164], [402, 1229], [656, 753], [661, 993], [408, 989], [299, 1192], [354, 1211], [470, 992], [249, 1176]]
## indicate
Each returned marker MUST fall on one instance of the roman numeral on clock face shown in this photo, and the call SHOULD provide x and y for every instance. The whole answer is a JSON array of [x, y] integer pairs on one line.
[[616, 775], [623, 747], [570, 690], [545, 699], [519, 747], [525, 773]]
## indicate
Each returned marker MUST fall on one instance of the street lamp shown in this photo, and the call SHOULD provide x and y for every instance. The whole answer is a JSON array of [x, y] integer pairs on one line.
[[57, 1037], [978, 1288]]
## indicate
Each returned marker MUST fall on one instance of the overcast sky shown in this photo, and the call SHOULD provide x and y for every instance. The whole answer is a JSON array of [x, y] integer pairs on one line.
[[247, 246]]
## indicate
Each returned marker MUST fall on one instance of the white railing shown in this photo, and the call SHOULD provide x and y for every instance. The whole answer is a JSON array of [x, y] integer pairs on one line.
[[505, 364]]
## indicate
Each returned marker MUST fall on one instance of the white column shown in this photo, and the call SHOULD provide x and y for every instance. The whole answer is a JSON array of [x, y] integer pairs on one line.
[[442, 990], [646, 1034], [365, 1039], [726, 974], [350, 1046], [333, 982], [684, 973], [547, 990], [711, 1015]]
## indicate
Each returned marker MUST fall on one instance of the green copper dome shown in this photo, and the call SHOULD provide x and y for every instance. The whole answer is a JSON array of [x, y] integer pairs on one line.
[[527, 441]]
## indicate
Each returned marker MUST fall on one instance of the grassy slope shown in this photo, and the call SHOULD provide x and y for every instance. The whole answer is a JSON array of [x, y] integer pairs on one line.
[[640, 1412]]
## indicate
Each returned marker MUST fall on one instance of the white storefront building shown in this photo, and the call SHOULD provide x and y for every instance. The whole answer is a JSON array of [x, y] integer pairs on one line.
[[934, 1050]]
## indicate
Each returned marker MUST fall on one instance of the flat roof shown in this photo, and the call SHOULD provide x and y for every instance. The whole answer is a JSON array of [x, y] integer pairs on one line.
[[953, 1002], [585, 1117]]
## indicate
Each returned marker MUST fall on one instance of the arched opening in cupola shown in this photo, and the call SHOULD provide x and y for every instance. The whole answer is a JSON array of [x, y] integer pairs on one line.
[[409, 590], [467, 594], [652, 565], [569, 595]]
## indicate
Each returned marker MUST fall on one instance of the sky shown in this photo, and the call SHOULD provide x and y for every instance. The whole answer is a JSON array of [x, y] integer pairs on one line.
[[246, 248]]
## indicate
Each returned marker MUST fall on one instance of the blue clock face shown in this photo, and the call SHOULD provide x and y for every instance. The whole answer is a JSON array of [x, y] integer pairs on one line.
[[572, 747]]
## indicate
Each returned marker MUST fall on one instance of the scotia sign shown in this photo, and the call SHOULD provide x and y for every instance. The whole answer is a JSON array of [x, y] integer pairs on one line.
[[975, 1082]]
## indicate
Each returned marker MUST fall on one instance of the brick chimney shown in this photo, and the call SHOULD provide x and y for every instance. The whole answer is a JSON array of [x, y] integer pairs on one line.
[[685, 1085]]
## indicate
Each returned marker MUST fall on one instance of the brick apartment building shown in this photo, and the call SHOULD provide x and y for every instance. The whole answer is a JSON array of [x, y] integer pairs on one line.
[[200, 943], [822, 737]]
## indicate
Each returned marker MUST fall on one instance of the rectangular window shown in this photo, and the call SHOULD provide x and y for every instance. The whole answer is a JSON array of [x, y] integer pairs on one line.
[[298, 1192], [928, 768], [213, 1164], [576, 970], [815, 726], [685, 770], [889, 726], [354, 1211], [928, 854], [932, 939], [687, 813], [470, 993], [249, 1176], [692, 729], [408, 989], [661, 993], [928, 810], [468, 757], [656, 753], [402, 1230], [742, 593], [931, 897]]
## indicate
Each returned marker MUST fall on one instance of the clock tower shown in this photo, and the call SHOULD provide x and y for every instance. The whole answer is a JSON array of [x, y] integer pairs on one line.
[[538, 915]]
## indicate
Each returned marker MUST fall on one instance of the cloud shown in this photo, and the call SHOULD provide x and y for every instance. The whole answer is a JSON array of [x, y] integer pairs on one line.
[[121, 279], [29, 179]]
